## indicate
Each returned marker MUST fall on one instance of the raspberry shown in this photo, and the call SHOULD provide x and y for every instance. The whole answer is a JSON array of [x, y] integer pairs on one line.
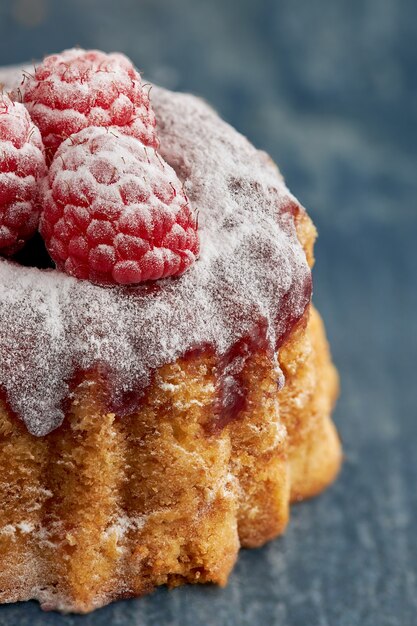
[[115, 212], [78, 88], [22, 165]]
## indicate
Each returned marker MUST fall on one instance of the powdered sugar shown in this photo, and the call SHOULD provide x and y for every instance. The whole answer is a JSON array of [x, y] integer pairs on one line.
[[251, 270]]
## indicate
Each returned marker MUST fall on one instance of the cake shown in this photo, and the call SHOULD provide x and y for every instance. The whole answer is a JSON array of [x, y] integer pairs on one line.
[[148, 432]]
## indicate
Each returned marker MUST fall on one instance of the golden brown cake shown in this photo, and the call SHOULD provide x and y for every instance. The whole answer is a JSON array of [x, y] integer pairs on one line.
[[146, 435]]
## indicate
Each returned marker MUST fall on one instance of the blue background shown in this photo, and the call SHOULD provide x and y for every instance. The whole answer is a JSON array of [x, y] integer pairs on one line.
[[329, 88]]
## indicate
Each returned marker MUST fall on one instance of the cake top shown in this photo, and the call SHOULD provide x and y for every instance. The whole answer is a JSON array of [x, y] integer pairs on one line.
[[252, 273]]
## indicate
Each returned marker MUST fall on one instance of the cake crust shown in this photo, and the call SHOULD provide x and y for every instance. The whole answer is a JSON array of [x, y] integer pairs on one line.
[[106, 507]]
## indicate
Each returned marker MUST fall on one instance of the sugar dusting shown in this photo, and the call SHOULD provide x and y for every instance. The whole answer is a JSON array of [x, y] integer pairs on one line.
[[251, 269]]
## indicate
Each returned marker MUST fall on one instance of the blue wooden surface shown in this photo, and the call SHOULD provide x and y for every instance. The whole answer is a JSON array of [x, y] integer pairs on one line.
[[329, 88]]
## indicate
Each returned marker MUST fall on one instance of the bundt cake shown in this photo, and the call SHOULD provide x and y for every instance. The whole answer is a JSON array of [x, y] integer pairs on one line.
[[147, 432]]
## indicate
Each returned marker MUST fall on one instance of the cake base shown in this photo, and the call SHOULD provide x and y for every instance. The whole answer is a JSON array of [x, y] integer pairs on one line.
[[105, 508]]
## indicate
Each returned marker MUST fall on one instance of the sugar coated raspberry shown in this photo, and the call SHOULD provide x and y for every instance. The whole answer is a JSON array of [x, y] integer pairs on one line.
[[78, 88], [114, 212], [22, 165]]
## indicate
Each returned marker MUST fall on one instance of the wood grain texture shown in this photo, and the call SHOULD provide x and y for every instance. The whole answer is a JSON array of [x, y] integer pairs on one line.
[[329, 90]]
